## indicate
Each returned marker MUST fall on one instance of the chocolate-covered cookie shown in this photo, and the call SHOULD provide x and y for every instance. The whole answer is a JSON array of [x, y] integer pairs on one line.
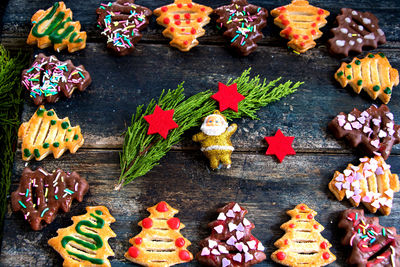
[[372, 130], [243, 23], [372, 244], [40, 194], [48, 77], [355, 30], [122, 23]]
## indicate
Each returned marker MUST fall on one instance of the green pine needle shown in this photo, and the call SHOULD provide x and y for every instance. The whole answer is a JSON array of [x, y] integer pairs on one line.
[[141, 152], [10, 100]]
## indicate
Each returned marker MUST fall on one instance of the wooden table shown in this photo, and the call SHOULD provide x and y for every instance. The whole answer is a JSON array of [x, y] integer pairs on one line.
[[262, 185]]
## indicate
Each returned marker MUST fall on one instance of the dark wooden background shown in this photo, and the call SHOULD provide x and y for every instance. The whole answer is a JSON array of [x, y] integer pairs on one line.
[[258, 182]]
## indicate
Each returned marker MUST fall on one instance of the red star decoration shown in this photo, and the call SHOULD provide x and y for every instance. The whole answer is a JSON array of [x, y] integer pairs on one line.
[[280, 145], [161, 121], [228, 97]]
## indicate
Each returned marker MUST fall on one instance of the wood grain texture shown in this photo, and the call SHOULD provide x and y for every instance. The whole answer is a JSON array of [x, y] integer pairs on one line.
[[255, 180], [258, 182]]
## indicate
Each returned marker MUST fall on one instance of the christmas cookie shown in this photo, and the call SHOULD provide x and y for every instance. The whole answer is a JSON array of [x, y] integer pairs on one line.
[[231, 242], [45, 133], [183, 21], [300, 22], [54, 26], [40, 195], [302, 244], [160, 242], [243, 23], [122, 22], [355, 31], [371, 183], [372, 244], [372, 130], [49, 77], [85, 242], [215, 139], [373, 73]]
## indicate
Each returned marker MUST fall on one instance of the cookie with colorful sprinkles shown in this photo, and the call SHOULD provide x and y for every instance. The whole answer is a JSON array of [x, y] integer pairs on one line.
[[85, 242], [300, 22], [40, 194], [122, 22], [183, 21], [371, 243], [48, 78], [243, 23], [231, 242]]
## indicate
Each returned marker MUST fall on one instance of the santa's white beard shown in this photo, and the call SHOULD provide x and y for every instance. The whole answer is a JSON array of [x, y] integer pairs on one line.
[[213, 130]]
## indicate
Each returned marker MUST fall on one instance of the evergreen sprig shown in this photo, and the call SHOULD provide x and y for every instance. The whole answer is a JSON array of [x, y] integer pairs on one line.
[[141, 152], [10, 100]]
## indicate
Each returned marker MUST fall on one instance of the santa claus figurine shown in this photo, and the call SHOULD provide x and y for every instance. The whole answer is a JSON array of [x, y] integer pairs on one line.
[[215, 139]]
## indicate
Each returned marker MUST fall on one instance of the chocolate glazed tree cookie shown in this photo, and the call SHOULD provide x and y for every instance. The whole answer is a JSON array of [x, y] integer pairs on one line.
[[122, 23], [40, 194], [372, 244], [354, 31], [243, 23]]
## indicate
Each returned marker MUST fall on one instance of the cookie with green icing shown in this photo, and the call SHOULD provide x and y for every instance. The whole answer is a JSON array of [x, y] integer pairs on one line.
[[54, 26], [85, 242]]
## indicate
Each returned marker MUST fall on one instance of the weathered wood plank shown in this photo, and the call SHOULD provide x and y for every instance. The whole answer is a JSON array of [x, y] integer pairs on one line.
[[266, 188], [17, 21], [121, 84]]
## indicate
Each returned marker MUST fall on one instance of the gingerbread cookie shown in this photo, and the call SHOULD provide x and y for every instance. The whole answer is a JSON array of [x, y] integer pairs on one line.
[[372, 244], [160, 242], [302, 244], [48, 77], [373, 73], [372, 130], [40, 195], [300, 22], [45, 133], [54, 26], [231, 242], [371, 183], [122, 22], [243, 23], [355, 31], [184, 22], [85, 242]]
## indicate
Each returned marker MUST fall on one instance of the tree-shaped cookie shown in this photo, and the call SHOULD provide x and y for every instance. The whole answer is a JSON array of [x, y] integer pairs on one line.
[[55, 26], [45, 133], [85, 242], [122, 22], [371, 183], [183, 21], [300, 22], [372, 244], [355, 30], [302, 244], [49, 77], [231, 242], [373, 73], [372, 130], [160, 242], [40, 195], [243, 23]]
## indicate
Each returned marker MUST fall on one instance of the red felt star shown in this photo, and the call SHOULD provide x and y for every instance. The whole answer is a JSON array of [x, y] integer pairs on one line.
[[161, 121], [280, 145], [228, 97]]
